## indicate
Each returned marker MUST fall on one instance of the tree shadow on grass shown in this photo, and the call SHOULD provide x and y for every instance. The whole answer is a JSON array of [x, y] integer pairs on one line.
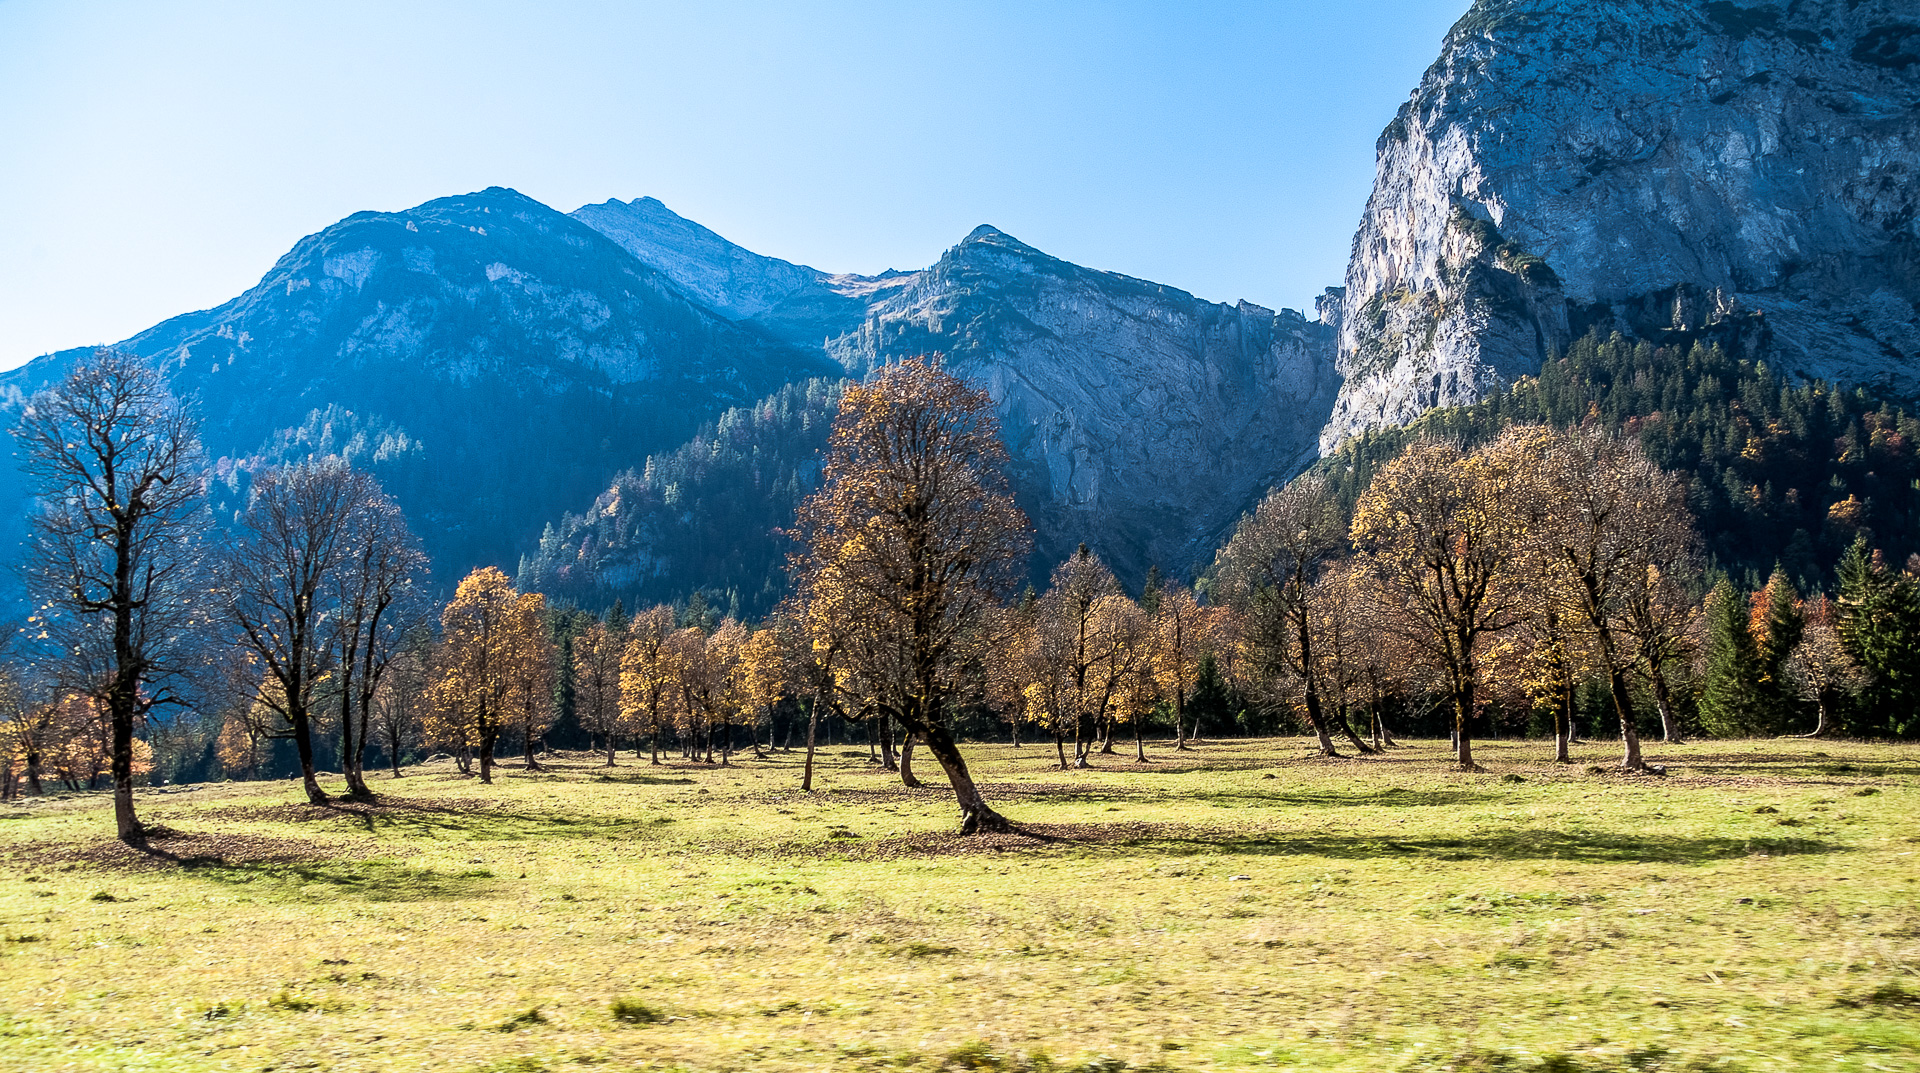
[[366, 881], [1183, 840], [1594, 847], [471, 820]]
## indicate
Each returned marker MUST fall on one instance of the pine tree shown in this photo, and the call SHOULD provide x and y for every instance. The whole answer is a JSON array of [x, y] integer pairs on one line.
[[1730, 701], [1776, 626], [1880, 625]]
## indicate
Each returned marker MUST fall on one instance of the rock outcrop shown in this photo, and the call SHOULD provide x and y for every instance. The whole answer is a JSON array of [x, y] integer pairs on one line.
[[1644, 165], [1141, 419]]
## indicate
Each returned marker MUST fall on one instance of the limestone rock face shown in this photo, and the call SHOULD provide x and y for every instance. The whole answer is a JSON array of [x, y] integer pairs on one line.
[[1647, 166], [799, 304], [1140, 419]]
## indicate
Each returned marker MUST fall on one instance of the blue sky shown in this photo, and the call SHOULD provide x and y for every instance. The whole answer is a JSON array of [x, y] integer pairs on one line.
[[157, 158]]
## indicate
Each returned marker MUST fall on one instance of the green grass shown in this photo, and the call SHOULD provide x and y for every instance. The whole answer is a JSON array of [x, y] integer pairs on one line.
[[1243, 906]]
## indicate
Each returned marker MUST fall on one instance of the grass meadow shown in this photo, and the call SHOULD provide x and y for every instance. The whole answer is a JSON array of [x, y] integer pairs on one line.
[[1240, 906]]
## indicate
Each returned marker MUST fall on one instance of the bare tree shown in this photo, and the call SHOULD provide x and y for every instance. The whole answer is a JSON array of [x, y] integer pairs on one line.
[[596, 683], [1268, 572], [399, 702], [375, 600], [281, 579], [113, 559], [1820, 668]]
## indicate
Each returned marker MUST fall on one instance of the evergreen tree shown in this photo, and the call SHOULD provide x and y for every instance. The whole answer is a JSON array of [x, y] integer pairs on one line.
[[1776, 626], [1731, 704], [1880, 626]]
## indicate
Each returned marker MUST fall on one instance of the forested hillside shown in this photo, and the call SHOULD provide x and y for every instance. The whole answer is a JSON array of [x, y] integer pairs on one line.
[[704, 516], [1776, 471]]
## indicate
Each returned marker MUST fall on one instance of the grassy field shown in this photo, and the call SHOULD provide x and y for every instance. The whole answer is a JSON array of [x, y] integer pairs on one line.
[[1240, 906]]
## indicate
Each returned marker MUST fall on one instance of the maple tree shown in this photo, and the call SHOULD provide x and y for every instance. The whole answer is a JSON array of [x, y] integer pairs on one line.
[[914, 515]]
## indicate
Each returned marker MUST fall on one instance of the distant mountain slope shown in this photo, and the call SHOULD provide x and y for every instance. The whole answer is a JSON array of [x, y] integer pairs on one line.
[[523, 358], [799, 304], [1141, 419], [705, 515], [1654, 166]]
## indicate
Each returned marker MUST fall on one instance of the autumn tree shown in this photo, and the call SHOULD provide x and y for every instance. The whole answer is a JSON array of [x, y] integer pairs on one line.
[[1437, 533], [531, 665], [475, 677], [650, 675], [597, 654], [1605, 515], [1819, 669], [112, 560], [914, 513], [1268, 572], [1179, 626]]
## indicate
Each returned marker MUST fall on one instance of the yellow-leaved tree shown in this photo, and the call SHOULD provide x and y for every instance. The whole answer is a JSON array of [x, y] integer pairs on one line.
[[473, 687], [915, 518], [650, 676]]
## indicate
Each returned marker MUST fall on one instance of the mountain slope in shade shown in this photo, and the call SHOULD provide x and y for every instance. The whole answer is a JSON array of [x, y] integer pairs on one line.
[[799, 304], [522, 358], [1651, 166], [1140, 419]]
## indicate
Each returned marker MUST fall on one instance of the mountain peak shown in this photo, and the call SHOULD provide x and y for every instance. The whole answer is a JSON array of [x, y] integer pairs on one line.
[[985, 232]]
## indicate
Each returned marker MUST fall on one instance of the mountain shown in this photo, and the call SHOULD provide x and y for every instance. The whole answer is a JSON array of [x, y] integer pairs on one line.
[[802, 305], [1647, 166], [494, 360], [1140, 419]]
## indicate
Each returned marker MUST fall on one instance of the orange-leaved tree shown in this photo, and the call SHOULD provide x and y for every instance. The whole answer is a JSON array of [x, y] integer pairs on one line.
[[914, 514]]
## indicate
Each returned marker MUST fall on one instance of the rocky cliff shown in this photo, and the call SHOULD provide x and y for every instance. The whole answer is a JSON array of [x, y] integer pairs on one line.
[[1649, 166], [1141, 419]]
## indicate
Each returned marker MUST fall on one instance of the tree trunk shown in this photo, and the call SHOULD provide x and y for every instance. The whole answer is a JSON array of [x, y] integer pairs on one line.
[[1082, 745], [906, 762], [1179, 720], [302, 744], [1346, 725], [1563, 724], [1462, 734], [1318, 722], [1669, 726], [487, 736], [975, 814], [1623, 704], [1820, 725], [1139, 747], [1015, 725], [393, 753], [887, 759], [1060, 747], [1106, 737], [813, 723]]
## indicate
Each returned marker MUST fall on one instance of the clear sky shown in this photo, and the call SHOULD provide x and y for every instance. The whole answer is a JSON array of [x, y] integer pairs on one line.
[[157, 158]]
